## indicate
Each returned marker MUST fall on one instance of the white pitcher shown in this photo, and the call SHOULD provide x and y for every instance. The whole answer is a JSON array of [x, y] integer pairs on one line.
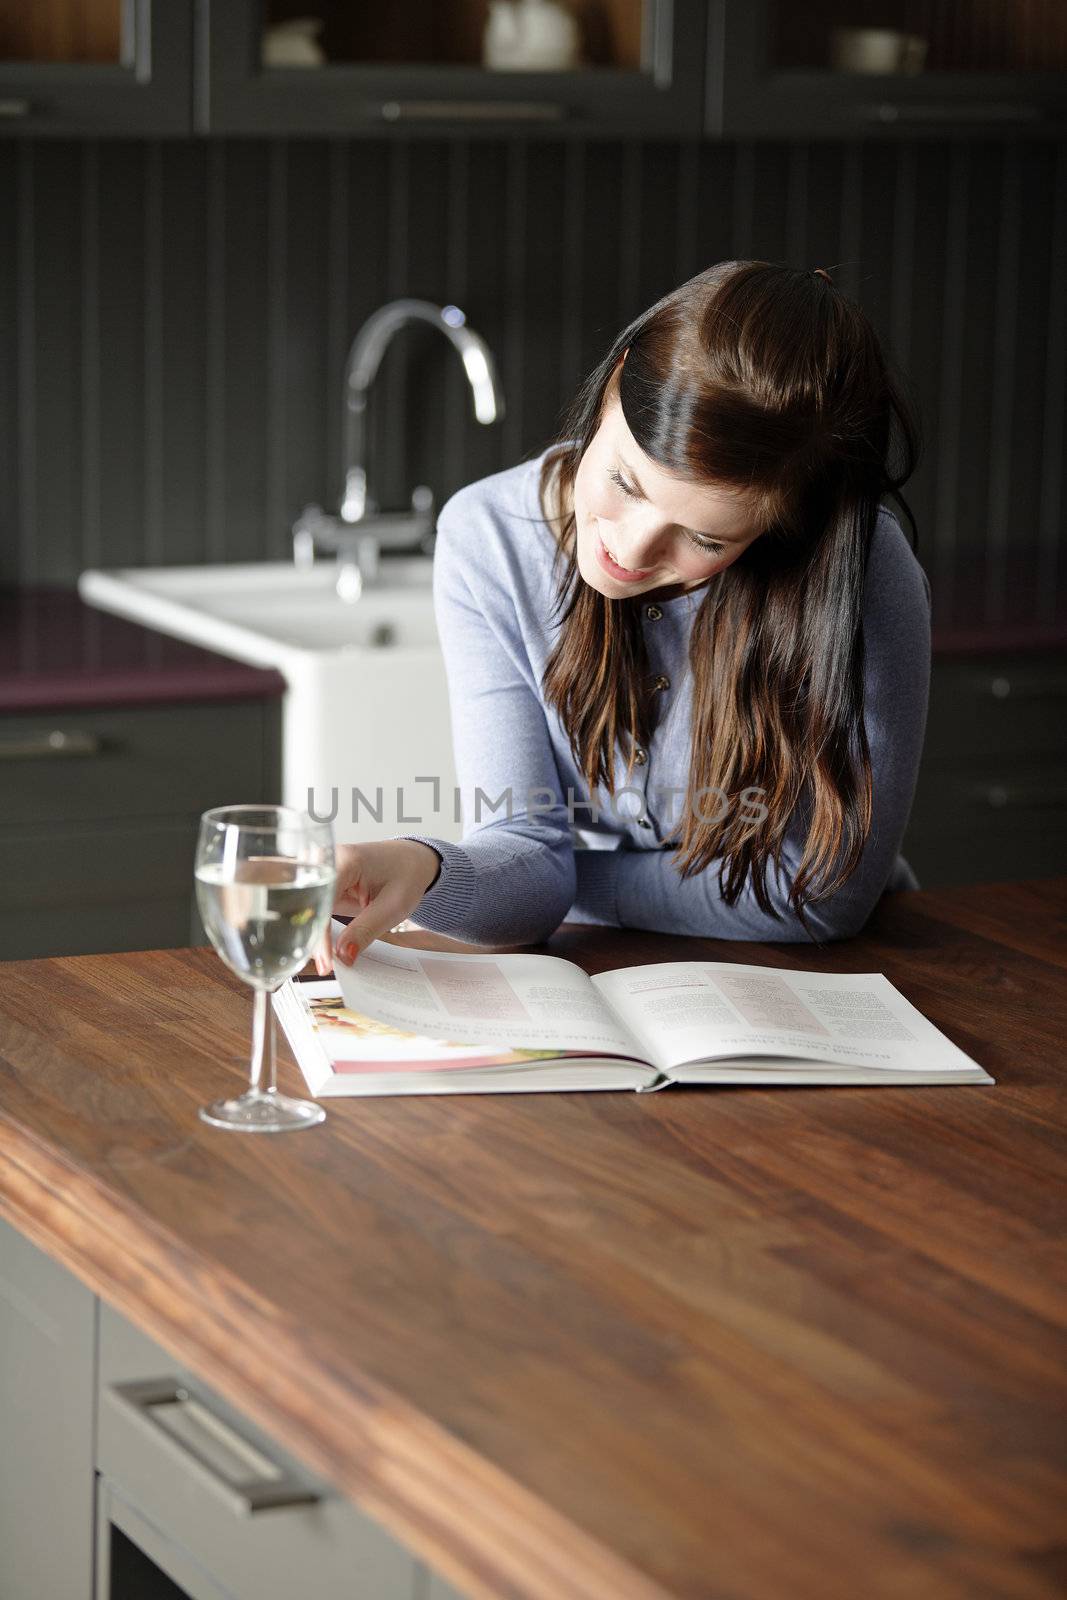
[[530, 36]]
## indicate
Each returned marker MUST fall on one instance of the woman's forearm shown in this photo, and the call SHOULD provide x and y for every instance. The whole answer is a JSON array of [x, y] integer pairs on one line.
[[643, 889], [499, 886]]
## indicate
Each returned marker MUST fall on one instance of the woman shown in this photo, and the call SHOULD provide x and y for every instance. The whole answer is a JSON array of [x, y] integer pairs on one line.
[[687, 647]]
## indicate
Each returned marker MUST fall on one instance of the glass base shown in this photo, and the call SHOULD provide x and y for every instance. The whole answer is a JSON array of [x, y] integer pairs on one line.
[[259, 1111]]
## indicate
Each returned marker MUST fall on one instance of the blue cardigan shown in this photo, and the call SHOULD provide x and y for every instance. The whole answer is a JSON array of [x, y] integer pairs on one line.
[[515, 878]]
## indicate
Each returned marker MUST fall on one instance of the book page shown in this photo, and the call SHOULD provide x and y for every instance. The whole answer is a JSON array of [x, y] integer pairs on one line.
[[684, 1011], [354, 1042], [518, 1000]]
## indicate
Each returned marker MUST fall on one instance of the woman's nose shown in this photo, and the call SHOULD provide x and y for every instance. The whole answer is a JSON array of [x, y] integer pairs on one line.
[[638, 547]]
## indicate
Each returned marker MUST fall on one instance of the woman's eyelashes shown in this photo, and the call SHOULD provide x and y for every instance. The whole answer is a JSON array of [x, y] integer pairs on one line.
[[708, 547]]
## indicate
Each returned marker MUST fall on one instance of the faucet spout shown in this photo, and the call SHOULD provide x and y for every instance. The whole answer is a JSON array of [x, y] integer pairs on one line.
[[364, 359]]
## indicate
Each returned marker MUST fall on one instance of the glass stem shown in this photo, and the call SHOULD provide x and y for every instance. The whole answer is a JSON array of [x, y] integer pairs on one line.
[[259, 1036], [272, 1040]]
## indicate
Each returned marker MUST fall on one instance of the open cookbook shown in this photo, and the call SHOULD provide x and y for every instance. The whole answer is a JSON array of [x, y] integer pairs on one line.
[[408, 1021]]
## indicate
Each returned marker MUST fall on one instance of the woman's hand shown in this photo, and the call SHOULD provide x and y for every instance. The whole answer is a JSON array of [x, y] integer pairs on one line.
[[378, 885]]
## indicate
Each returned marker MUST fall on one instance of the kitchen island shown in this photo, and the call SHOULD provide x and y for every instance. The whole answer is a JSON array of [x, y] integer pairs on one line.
[[744, 1343]]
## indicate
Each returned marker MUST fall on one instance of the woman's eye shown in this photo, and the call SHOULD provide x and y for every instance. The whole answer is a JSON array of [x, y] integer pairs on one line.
[[625, 487], [703, 545], [707, 547]]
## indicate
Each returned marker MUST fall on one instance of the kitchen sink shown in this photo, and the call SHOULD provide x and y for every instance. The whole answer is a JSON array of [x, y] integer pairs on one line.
[[365, 717]]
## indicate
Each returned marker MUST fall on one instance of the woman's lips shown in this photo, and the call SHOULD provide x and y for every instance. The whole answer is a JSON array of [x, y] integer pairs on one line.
[[612, 568]]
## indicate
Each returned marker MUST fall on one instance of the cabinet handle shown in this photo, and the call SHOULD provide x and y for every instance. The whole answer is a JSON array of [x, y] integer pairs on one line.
[[236, 1471], [56, 743], [1000, 797], [1002, 688], [472, 110], [13, 109], [993, 111]]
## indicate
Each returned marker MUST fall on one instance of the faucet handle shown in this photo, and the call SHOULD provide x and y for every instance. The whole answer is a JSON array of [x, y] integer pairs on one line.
[[423, 507], [304, 536]]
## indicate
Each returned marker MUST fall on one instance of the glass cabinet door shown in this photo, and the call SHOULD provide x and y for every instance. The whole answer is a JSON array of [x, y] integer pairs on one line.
[[292, 66], [95, 66], [845, 67]]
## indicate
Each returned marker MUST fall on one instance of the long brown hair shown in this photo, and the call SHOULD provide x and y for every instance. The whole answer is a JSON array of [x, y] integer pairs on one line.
[[763, 378]]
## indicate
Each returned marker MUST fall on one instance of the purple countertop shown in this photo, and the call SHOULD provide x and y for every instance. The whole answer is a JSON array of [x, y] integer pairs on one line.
[[57, 653]]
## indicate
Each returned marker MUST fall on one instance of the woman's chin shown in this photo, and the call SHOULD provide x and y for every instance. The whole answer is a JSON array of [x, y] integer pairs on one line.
[[599, 580]]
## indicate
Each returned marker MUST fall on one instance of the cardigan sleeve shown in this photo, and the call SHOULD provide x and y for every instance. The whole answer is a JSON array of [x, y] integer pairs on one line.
[[641, 888], [511, 879]]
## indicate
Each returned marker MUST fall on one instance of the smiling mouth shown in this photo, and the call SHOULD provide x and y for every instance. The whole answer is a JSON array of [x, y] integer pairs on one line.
[[615, 568]]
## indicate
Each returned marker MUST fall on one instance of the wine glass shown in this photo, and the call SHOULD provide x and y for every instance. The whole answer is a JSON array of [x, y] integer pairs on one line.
[[265, 888]]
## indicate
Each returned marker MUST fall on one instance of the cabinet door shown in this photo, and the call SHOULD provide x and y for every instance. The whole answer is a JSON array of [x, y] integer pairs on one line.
[[95, 66], [840, 68], [223, 1496], [991, 800], [46, 1422], [101, 811], [636, 65]]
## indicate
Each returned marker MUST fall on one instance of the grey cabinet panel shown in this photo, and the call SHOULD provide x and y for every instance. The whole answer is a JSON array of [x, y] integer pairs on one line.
[[749, 94], [986, 822], [435, 1588], [234, 94], [97, 837], [326, 1550], [138, 762], [87, 889], [46, 1419], [182, 1574], [1005, 706], [991, 799], [147, 89]]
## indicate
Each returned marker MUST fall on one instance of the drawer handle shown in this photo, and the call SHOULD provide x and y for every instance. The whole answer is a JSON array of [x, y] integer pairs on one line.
[[953, 111], [54, 744], [998, 796], [239, 1474], [471, 111], [1004, 689]]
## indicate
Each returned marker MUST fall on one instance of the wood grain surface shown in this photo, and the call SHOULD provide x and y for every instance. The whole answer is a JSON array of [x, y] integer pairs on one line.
[[737, 1343]]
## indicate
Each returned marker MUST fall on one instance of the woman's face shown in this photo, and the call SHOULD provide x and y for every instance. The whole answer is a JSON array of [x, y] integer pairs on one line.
[[640, 528]]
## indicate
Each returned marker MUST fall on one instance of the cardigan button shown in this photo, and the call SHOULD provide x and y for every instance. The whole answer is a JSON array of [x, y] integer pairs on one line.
[[662, 682], [653, 613], [643, 822], [640, 756]]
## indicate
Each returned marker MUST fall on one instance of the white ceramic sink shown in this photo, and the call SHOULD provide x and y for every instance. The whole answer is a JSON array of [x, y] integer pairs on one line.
[[366, 706]]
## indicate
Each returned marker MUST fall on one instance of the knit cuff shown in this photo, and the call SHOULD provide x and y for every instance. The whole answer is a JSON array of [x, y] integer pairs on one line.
[[596, 875], [444, 907]]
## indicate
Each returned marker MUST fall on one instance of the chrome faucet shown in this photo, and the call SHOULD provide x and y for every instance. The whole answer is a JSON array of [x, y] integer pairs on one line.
[[360, 530]]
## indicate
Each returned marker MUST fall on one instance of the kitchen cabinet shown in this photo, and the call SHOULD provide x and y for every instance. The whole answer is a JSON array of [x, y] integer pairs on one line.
[[101, 811], [991, 800], [113, 740], [97, 67], [109, 1440], [725, 68], [779, 70], [47, 1333], [420, 67]]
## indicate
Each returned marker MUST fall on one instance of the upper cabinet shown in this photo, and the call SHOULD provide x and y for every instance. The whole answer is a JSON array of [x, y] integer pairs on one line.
[[847, 68], [628, 68], [331, 66], [95, 66]]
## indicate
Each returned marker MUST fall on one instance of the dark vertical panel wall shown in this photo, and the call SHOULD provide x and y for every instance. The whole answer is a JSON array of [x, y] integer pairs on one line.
[[174, 319]]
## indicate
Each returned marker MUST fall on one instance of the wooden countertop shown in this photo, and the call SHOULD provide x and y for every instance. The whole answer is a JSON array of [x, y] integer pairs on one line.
[[58, 654], [733, 1343]]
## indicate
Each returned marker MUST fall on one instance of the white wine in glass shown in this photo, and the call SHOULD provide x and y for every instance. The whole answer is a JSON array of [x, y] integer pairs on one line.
[[265, 889]]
